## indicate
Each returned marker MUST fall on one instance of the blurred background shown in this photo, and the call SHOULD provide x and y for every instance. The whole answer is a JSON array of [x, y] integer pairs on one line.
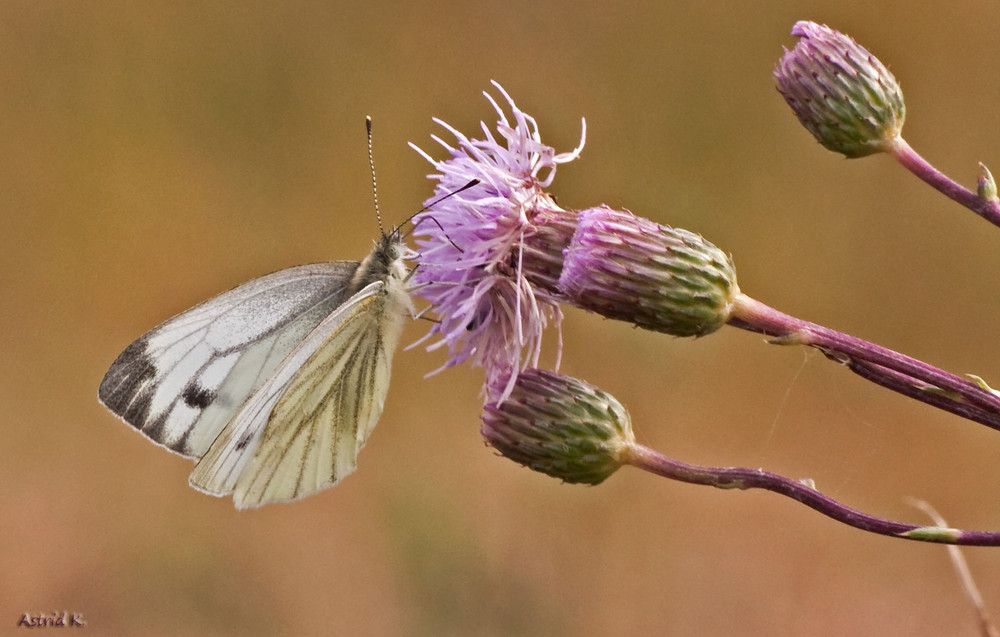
[[156, 155]]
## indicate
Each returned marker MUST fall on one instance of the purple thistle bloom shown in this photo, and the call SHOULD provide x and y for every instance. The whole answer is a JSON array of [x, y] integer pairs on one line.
[[494, 296]]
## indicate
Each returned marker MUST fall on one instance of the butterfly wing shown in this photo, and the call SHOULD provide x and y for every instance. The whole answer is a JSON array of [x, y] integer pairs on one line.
[[183, 381], [302, 430]]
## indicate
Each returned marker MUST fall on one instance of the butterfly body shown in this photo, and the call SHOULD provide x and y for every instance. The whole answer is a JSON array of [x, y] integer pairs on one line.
[[274, 386]]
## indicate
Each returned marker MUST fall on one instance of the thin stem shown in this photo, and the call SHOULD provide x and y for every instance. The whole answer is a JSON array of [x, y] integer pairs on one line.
[[912, 388], [801, 491], [886, 367], [905, 155]]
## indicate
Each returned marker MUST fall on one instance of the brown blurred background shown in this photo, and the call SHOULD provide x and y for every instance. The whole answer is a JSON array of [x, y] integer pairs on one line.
[[154, 156]]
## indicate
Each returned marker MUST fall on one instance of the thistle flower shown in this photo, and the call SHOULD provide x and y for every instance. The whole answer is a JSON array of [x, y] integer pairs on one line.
[[660, 278], [493, 295], [497, 257], [560, 426], [840, 92]]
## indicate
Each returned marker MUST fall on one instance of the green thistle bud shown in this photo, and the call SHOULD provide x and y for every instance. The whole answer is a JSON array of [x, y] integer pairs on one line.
[[560, 426], [660, 278], [987, 187], [840, 92]]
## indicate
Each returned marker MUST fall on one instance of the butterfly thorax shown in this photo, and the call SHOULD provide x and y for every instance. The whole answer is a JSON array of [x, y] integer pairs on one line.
[[385, 262]]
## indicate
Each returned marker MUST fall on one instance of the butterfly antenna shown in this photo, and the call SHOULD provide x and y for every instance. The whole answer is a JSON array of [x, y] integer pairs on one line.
[[437, 201], [472, 183], [371, 164]]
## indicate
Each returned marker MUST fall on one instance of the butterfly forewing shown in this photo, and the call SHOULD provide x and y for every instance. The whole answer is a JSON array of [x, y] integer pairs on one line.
[[181, 382]]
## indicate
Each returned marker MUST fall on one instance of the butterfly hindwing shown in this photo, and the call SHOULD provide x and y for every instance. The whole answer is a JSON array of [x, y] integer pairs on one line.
[[301, 432], [327, 413], [182, 381]]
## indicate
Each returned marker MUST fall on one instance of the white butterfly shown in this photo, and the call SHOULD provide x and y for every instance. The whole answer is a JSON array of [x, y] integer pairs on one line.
[[274, 386]]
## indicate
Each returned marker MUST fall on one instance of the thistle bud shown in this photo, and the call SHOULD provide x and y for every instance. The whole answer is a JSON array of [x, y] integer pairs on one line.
[[840, 92], [559, 426], [986, 186], [660, 278]]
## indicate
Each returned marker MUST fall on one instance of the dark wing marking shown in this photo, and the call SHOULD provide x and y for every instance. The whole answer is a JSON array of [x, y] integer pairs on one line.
[[182, 381]]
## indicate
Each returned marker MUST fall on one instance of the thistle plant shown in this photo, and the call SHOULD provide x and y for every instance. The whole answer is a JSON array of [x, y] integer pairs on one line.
[[499, 259], [571, 430], [853, 105]]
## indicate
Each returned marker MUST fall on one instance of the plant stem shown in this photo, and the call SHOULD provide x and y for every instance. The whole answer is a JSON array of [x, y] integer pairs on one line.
[[740, 478], [890, 369], [905, 155], [918, 391]]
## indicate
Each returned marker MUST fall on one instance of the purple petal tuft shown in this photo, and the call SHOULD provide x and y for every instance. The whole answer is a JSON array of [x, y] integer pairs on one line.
[[472, 245]]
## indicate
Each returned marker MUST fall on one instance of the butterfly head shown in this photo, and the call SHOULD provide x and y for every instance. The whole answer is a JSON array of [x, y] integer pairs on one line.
[[386, 262]]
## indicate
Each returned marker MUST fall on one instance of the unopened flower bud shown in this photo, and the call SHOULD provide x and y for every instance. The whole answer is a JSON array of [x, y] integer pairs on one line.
[[841, 93], [560, 426], [660, 278], [986, 185]]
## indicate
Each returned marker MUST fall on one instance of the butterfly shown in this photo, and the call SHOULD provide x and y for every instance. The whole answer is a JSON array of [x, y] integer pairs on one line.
[[274, 386]]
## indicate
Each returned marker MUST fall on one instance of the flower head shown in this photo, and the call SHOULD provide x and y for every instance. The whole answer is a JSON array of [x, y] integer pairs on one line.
[[840, 92], [493, 294], [661, 278], [559, 426]]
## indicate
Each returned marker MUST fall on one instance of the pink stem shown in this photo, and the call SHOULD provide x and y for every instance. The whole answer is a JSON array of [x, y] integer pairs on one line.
[[886, 367], [740, 478], [905, 155]]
